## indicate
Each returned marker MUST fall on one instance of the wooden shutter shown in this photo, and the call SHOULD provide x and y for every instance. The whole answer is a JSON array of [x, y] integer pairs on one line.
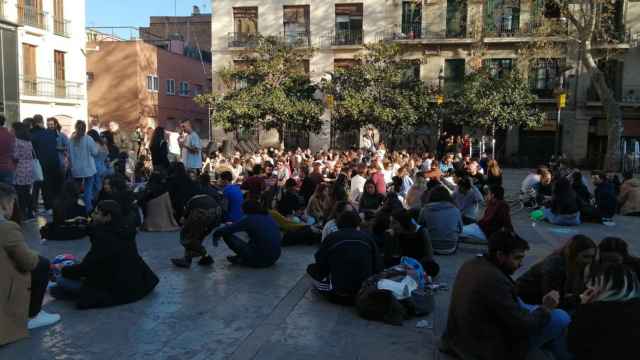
[[59, 65], [29, 61], [58, 9]]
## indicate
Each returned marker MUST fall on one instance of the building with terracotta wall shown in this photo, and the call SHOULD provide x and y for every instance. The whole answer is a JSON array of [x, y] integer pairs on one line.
[[135, 82]]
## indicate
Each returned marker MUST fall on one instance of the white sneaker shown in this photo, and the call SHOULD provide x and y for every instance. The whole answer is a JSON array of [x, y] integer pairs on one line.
[[42, 319]]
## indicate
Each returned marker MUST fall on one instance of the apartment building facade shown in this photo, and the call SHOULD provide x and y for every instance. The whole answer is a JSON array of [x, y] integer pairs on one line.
[[444, 34], [139, 83], [50, 69]]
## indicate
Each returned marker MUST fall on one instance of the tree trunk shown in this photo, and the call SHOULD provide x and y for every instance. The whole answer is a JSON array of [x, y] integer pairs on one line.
[[611, 109]]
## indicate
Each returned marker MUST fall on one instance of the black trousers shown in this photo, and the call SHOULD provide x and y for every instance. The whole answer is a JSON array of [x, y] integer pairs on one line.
[[25, 202], [249, 255], [52, 184], [39, 281]]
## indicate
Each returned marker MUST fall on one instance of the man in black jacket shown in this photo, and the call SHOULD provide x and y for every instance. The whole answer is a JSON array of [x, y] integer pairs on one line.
[[345, 260], [487, 321]]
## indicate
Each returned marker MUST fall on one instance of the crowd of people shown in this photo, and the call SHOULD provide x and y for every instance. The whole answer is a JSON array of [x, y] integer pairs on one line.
[[365, 208]]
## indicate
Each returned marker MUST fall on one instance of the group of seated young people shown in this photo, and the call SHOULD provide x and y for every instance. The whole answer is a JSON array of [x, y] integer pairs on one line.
[[555, 307]]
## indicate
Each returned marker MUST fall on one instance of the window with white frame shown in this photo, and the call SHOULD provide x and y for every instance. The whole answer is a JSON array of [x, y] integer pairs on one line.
[[184, 88], [153, 83], [171, 87]]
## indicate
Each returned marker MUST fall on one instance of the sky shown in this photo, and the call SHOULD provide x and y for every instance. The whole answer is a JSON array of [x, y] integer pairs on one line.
[[136, 13]]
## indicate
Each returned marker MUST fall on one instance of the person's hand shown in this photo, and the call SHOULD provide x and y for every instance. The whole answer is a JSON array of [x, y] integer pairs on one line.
[[588, 295], [551, 300]]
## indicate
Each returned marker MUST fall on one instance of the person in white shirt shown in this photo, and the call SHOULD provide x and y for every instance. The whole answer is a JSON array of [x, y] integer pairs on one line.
[[357, 184], [192, 148]]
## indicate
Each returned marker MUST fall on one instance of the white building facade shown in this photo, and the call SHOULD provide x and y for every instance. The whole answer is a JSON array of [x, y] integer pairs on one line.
[[51, 58]]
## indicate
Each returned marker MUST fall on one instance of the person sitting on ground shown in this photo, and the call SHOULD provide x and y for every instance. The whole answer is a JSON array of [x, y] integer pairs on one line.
[[629, 198], [202, 214], [405, 238], [581, 190], [478, 179], [155, 203], [331, 226], [357, 183], [544, 188], [494, 173], [116, 188], [496, 217], [69, 215], [264, 246], [563, 271], [112, 273], [487, 320], [414, 195], [443, 221], [344, 261], [610, 303], [606, 201], [23, 277], [319, 204], [254, 185], [232, 198], [371, 199], [613, 250], [468, 199], [563, 209]]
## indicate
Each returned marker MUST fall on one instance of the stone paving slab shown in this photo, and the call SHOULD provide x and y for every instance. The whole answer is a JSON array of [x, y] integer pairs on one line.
[[229, 312]]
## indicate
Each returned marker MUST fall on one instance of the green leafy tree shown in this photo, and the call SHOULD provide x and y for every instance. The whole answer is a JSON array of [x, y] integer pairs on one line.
[[270, 91], [380, 90], [490, 102]]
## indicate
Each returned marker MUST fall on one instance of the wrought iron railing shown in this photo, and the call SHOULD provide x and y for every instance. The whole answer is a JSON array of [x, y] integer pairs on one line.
[[62, 27], [242, 40], [344, 37], [36, 86], [29, 15], [297, 38], [507, 26]]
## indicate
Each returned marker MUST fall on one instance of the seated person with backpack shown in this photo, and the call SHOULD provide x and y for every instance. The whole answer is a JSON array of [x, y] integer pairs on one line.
[[406, 238], [346, 258], [112, 273], [487, 320], [69, 216]]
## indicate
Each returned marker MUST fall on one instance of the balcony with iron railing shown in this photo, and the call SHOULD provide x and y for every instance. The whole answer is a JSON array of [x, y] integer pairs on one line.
[[626, 96], [62, 27], [415, 33], [344, 38], [43, 87], [297, 38], [31, 16], [242, 40]]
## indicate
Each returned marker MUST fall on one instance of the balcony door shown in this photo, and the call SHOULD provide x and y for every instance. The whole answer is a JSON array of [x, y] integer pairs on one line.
[[502, 16], [456, 18], [29, 75], [245, 25], [412, 20], [59, 67], [58, 17], [454, 70], [348, 24], [296, 24]]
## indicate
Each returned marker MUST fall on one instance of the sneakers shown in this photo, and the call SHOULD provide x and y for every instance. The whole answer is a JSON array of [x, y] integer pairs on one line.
[[182, 262], [42, 319], [205, 261]]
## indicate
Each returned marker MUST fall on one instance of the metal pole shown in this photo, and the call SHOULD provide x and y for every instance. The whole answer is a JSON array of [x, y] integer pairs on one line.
[[557, 144]]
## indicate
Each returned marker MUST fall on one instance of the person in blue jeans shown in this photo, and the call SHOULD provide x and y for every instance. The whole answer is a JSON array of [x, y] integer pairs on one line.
[[488, 321], [263, 248]]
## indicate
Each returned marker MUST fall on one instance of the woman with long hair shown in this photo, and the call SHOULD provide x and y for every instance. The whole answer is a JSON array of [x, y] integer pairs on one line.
[[494, 173], [159, 149], [605, 325], [564, 209], [82, 151], [69, 215], [23, 179], [565, 271], [613, 250], [319, 203], [101, 159], [371, 199]]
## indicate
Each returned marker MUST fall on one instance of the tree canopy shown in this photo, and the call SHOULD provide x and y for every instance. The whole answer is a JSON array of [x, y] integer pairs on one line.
[[268, 88]]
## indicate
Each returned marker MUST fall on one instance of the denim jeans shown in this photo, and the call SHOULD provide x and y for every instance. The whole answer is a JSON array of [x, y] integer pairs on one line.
[[7, 177], [562, 220], [87, 196], [474, 231], [553, 336]]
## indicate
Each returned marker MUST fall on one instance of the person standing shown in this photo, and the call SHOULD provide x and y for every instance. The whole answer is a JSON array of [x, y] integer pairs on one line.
[[23, 179], [83, 167], [62, 146], [192, 147], [120, 140], [24, 274], [159, 149], [102, 170], [45, 144], [7, 144]]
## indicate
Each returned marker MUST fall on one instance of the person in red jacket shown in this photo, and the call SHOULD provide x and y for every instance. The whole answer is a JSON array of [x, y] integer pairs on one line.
[[497, 216]]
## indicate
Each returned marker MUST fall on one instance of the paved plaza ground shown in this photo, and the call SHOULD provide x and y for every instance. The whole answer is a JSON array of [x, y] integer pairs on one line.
[[230, 312]]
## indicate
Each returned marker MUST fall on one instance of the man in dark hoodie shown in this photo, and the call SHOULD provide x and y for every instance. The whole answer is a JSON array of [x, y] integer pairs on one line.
[[606, 201], [45, 145]]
